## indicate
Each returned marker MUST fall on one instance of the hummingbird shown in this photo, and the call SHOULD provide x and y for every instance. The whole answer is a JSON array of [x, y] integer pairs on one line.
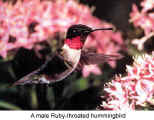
[[71, 56]]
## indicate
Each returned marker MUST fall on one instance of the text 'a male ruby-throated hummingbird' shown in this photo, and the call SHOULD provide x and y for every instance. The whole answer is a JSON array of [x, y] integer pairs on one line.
[[71, 56]]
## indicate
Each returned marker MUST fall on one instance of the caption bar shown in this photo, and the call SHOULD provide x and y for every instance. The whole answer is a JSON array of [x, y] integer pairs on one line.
[[78, 115]]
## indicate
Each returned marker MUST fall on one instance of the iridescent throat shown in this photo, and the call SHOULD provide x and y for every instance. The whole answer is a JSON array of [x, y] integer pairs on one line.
[[74, 43]]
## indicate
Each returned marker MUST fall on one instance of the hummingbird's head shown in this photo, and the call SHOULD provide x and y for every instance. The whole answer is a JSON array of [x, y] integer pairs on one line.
[[77, 34]]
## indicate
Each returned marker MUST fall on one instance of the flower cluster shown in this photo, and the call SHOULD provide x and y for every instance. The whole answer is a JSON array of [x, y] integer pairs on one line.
[[143, 19], [32, 21], [136, 90]]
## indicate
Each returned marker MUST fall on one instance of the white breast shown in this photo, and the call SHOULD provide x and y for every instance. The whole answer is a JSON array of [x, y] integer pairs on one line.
[[71, 55]]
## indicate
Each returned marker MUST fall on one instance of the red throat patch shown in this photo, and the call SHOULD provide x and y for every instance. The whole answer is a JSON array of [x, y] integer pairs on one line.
[[74, 43]]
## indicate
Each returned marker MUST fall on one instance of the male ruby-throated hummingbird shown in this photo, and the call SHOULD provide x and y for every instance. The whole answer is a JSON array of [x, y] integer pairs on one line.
[[71, 56]]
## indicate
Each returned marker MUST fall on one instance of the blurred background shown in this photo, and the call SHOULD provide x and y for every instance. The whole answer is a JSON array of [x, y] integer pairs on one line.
[[30, 30]]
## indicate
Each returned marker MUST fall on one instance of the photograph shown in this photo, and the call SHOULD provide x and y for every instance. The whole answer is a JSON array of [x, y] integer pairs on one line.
[[77, 55]]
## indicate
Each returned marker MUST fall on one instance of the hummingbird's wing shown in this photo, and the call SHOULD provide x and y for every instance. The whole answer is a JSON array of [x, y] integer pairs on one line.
[[91, 57], [53, 70]]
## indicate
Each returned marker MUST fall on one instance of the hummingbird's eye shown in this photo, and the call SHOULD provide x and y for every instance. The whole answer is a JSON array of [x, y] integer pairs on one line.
[[74, 31]]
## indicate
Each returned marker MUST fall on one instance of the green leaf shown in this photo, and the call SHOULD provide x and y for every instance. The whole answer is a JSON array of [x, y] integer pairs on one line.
[[82, 84], [34, 101], [6, 88], [9, 106]]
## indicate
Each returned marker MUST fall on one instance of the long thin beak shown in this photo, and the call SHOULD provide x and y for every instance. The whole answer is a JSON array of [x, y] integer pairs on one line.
[[102, 29]]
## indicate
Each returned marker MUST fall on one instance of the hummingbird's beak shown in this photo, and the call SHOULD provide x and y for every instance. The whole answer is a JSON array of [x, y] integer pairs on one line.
[[101, 29], [93, 30]]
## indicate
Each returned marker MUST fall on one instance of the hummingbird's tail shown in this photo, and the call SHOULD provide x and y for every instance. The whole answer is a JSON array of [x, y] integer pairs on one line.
[[28, 79]]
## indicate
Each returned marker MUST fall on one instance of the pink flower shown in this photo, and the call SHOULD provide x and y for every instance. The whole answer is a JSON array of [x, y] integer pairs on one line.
[[147, 5], [140, 42], [135, 89], [87, 69], [143, 19], [117, 96]]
